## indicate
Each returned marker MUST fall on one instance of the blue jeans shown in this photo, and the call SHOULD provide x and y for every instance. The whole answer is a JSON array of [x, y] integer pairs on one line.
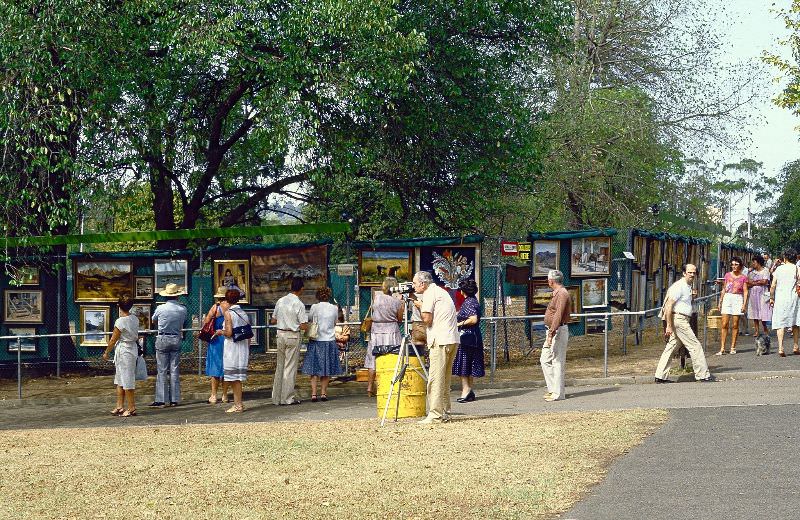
[[168, 357]]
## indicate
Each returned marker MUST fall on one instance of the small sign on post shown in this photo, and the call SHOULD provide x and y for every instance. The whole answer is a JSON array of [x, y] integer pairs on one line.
[[345, 269], [509, 248], [524, 249]]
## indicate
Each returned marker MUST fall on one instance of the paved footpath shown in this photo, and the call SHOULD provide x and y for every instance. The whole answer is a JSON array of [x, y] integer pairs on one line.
[[729, 450]]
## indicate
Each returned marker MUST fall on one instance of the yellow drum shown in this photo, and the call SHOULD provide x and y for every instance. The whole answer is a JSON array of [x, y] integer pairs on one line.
[[412, 388]]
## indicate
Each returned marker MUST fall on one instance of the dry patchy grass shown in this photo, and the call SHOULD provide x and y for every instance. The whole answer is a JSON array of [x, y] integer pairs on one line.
[[526, 466]]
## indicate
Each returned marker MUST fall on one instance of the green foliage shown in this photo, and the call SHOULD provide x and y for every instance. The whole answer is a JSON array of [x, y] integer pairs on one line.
[[781, 224], [789, 68]]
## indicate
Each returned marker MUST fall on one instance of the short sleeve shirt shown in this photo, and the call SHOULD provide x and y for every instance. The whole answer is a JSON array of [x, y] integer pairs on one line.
[[735, 284], [129, 327], [444, 328], [170, 316], [290, 313], [325, 315], [681, 293]]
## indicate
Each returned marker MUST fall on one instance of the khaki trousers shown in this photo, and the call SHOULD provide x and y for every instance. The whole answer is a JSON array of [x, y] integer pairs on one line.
[[439, 374], [683, 334], [286, 367], [553, 360]]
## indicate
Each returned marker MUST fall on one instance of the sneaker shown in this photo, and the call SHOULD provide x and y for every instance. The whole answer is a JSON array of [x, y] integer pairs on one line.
[[709, 379], [156, 404], [431, 419], [547, 395]]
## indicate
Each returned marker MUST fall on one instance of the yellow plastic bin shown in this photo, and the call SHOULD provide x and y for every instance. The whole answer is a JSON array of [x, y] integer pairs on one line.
[[412, 388]]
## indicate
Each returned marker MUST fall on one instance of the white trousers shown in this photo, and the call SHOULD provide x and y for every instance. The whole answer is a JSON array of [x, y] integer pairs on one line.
[[683, 334], [553, 360]]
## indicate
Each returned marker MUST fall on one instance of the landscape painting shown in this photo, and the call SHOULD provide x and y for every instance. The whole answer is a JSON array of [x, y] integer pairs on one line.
[[590, 256], [144, 288], [252, 315], [172, 271], [575, 297], [374, 266], [23, 306], [271, 273], [595, 325], [25, 344], [95, 321], [102, 281], [545, 256], [539, 296], [595, 292]]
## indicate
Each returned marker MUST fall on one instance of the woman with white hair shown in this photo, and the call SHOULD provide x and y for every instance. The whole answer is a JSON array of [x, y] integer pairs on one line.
[[387, 312]]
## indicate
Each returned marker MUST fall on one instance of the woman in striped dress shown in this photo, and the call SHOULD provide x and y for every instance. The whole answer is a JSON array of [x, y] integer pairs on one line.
[[235, 354]]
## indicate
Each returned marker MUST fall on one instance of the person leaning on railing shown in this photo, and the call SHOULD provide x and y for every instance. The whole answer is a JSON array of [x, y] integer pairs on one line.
[[124, 337]]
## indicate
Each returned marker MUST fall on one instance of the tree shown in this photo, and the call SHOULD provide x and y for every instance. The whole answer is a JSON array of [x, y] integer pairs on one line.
[[790, 70]]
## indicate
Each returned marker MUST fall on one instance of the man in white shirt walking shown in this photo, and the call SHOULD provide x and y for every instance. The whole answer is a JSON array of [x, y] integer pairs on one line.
[[677, 313], [290, 317]]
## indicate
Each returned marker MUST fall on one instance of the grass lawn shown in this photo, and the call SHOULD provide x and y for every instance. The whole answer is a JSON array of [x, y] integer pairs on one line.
[[524, 466]]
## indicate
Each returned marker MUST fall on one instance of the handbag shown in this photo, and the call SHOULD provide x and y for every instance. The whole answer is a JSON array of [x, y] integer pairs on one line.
[[242, 332], [469, 339], [313, 330], [141, 369], [419, 333], [366, 325], [207, 331]]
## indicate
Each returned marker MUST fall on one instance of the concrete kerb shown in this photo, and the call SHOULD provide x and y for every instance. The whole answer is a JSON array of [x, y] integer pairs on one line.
[[350, 390]]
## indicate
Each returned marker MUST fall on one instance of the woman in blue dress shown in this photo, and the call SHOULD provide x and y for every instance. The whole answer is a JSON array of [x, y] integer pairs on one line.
[[215, 346], [468, 362], [322, 357]]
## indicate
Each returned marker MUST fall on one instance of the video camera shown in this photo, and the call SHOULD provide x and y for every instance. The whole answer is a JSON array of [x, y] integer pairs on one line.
[[403, 288]]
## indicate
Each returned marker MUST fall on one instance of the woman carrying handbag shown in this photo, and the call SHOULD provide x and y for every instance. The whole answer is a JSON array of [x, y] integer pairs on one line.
[[322, 357]]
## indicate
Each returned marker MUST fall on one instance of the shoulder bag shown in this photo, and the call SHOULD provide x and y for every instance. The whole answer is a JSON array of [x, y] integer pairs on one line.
[[366, 325], [313, 330], [242, 332]]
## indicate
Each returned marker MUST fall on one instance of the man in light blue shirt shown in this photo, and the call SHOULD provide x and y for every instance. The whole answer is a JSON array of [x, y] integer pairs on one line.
[[291, 318], [170, 318]]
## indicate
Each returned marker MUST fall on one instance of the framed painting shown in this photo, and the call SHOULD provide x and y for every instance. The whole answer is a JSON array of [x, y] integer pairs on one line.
[[252, 315], [143, 288], [26, 344], [590, 256], [374, 266], [143, 312], [271, 273], [450, 265], [270, 340], [539, 296], [26, 275], [634, 302], [23, 306], [95, 322], [575, 297], [169, 270], [595, 293], [545, 256], [233, 274], [102, 280], [595, 325]]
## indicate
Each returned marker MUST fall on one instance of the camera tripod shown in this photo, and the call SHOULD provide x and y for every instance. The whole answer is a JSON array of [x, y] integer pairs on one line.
[[402, 364]]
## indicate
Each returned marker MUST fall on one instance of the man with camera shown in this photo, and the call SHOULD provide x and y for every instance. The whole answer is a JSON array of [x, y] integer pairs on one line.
[[439, 316]]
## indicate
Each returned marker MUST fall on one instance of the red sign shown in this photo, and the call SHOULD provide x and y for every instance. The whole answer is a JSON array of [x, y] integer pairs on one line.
[[509, 248]]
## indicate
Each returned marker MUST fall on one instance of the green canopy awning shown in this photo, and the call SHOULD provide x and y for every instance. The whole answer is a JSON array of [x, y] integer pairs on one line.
[[565, 235], [418, 242]]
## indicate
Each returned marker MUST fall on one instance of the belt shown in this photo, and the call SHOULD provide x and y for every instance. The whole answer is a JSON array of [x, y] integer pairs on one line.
[[684, 315]]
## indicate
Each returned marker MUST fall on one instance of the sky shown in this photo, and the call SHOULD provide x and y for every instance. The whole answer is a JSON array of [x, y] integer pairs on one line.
[[749, 28]]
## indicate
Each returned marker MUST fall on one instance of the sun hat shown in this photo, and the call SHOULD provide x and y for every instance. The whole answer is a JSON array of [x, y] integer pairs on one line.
[[221, 290], [172, 290]]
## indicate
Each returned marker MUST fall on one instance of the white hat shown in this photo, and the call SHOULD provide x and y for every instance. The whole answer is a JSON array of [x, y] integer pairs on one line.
[[172, 290]]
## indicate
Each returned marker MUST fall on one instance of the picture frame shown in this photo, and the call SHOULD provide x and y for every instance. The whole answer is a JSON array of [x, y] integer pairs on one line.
[[144, 312], [143, 288], [233, 274], [270, 335], [375, 265], [590, 257], [27, 275], [594, 293], [271, 273], [546, 256], [30, 345], [575, 296], [96, 321], [595, 325], [539, 296], [252, 315], [171, 270], [102, 280], [23, 306]]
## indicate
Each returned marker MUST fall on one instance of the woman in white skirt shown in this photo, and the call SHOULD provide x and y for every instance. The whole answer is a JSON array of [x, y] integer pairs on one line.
[[783, 298], [235, 354], [732, 303], [126, 332]]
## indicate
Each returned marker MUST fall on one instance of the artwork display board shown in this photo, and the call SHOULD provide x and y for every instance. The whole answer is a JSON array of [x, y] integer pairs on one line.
[[375, 265], [102, 280], [271, 273]]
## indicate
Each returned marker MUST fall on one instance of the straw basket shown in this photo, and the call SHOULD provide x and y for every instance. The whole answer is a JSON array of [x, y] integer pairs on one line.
[[714, 318]]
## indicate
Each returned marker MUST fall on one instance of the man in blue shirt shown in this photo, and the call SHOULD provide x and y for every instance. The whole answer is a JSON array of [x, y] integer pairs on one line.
[[170, 318]]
